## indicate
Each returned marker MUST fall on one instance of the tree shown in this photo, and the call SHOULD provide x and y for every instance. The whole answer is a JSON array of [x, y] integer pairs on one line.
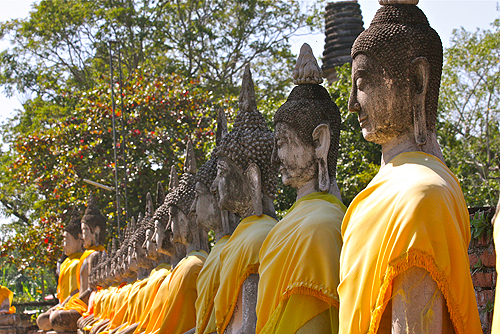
[[469, 117], [65, 43], [162, 113], [181, 62]]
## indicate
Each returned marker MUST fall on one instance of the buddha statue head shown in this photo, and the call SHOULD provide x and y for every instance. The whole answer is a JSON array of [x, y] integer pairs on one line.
[[72, 235], [136, 253], [246, 178], [93, 225], [149, 244], [162, 237], [206, 203], [307, 131], [184, 229], [396, 75]]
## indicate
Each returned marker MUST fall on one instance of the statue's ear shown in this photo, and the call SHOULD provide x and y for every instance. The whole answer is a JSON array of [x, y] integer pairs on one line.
[[98, 234], [420, 74], [321, 137], [254, 178]]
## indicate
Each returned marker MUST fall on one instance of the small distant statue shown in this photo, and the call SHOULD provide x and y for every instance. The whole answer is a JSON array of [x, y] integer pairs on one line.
[[8, 316], [404, 264], [93, 234], [67, 283], [299, 270]]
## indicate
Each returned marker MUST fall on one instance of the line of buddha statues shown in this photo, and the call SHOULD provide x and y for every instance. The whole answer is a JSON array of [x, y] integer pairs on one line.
[[395, 261]]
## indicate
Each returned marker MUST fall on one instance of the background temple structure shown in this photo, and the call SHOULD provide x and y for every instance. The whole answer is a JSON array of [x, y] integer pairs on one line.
[[343, 23]]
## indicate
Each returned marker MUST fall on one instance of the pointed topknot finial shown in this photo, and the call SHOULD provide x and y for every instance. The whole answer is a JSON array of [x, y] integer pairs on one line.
[[115, 246], [307, 70], [190, 162], [133, 225], [247, 94], [149, 206], [160, 194], [174, 179], [398, 2], [221, 126], [110, 247]]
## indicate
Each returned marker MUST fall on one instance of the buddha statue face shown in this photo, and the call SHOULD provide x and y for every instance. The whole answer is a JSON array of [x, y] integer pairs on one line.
[[296, 159], [206, 208], [149, 245], [232, 186], [132, 258], [163, 239], [179, 223], [383, 103], [90, 237], [71, 244], [139, 256]]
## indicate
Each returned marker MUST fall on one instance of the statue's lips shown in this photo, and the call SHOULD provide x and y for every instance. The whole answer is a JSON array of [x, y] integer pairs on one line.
[[362, 119]]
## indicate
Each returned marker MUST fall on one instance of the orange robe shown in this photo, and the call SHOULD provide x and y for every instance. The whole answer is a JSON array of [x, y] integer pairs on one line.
[[158, 286], [239, 259], [412, 214], [207, 286], [299, 266], [178, 314]]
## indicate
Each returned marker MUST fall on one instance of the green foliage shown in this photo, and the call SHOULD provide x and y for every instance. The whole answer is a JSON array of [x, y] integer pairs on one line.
[[480, 225], [468, 125], [182, 61]]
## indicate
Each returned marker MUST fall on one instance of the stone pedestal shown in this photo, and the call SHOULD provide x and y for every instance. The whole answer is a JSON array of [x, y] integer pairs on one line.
[[8, 330]]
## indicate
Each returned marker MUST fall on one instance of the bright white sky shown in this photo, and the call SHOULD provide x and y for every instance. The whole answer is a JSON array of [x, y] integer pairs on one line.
[[443, 15]]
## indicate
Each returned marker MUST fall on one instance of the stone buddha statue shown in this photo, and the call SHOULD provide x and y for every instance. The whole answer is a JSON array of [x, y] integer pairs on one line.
[[67, 282], [173, 310], [161, 237], [149, 243], [93, 225], [299, 270], [210, 217], [404, 264], [8, 316], [245, 185]]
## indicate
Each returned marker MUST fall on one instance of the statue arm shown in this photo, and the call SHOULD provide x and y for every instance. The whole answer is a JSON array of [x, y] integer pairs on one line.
[[418, 305], [249, 304]]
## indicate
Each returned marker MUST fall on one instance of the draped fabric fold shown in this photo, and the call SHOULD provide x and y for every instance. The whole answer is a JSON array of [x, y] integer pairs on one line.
[[178, 314], [300, 258], [239, 259], [411, 214], [6, 297], [207, 285], [67, 282]]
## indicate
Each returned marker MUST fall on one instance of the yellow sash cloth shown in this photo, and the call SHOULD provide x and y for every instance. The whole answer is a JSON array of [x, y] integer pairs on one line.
[[299, 266], [155, 301], [495, 327], [128, 296], [120, 305], [75, 303], [179, 313], [6, 297], [411, 214], [139, 305], [239, 259], [206, 286], [85, 255], [66, 283], [150, 320]]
